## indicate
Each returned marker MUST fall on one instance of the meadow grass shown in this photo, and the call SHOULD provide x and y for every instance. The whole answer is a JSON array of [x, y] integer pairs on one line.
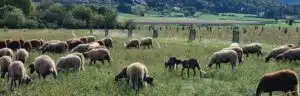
[[98, 79]]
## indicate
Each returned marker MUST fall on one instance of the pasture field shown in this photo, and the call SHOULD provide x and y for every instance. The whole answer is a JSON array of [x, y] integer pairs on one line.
[[98, 79]]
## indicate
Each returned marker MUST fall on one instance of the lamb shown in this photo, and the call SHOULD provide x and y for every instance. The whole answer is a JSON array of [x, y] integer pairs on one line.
[[27, 45], [3, 44], [224, 56], [21, 55], [6, 52], [100, 54], [5, 61], [172, 62], [14, 45], [43, 65], [239, 51], [283, 80], [137, 73], [291, 54], [252, 49], [132, 43], [69, 61], [108, 42], [146, 42], [190, 64], [73, 43], [90, 39], [17, 72], [275, 52], [36, 43], [58, 47]]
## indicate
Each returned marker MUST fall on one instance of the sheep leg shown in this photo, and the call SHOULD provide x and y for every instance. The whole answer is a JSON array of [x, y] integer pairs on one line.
[[91, 61], [3, 74], [94, 61], [270, 93], [182, 71], [194, 72]]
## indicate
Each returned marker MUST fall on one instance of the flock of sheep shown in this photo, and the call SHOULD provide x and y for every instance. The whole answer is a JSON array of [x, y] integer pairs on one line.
[[13, 54]]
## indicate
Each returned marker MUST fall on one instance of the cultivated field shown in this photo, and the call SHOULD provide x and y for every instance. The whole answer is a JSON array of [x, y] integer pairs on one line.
[[98, 79]]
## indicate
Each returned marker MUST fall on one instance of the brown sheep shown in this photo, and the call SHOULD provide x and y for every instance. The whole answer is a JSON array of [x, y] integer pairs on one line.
[[291, 54], [283, 80], [108, 42], [100, 54], [73, 43], [43, 65], [93, 45], [21, 55], [91, 39], [101, 42], [27, 45], [58, 47], [147, 42], [6, 52], [3, 44], [14, 45], [84, 39], [132, 43], [171, 63], [275, 52], [252, 49], [5, 61], [36, 43], [224, 56], [81, 48], [137, 73], [190, 64], [17, 72], [239, 51], [21, 42], [70, 61]]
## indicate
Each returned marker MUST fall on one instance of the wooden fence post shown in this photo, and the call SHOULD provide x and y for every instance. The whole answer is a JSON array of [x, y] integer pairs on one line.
[[236, 35], [182, 28], [155, 33], [106, 32], [244, 30], [192, 35], [177, 29], [285, 30]]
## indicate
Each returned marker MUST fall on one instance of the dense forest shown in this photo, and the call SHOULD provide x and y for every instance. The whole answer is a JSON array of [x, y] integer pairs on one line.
[[103, 13]]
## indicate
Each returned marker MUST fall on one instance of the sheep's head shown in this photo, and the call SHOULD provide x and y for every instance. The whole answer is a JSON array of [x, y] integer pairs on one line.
[[122, 74], [27, 79], [279, 57], [149, 80], [31, 68]]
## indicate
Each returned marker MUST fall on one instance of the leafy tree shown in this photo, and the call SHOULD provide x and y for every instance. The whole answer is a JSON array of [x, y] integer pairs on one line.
[[14, 19], [140, 10], [98, 20], [27, 6], [54, 14], [83, 13]]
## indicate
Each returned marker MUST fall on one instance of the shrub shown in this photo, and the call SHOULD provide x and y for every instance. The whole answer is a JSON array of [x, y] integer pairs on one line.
[[14, 19]]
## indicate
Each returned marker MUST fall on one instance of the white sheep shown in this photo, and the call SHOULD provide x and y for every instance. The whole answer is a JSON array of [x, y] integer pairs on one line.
[[43, 65], [224, 56], [17, 72], [21, 55], [99, 54], [5, 61]]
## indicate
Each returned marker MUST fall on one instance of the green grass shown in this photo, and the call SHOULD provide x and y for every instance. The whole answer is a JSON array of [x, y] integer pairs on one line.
[[98, 79]]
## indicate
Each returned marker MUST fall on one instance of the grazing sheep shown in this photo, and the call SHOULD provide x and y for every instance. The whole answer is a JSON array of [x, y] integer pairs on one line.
[[73, 43], [17, 72], [58, 47], [21, 55], [43, 65], [5, 61], [108, 42], [252, 49], [6, 52], [291, 54], [83, 39], [93, 45], [101, 42], [146, 42], [81, 48], [69, 61], [14, 45], [82, 60], [91, 39], [283, 80], [190, 64], [36, 43], [224, 56], [132, 43], [27, 45], [234, 45], [172, 62], [275, 52], [44, 45], [3, 44], [100, 54], [239, 51], [137, 73]]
